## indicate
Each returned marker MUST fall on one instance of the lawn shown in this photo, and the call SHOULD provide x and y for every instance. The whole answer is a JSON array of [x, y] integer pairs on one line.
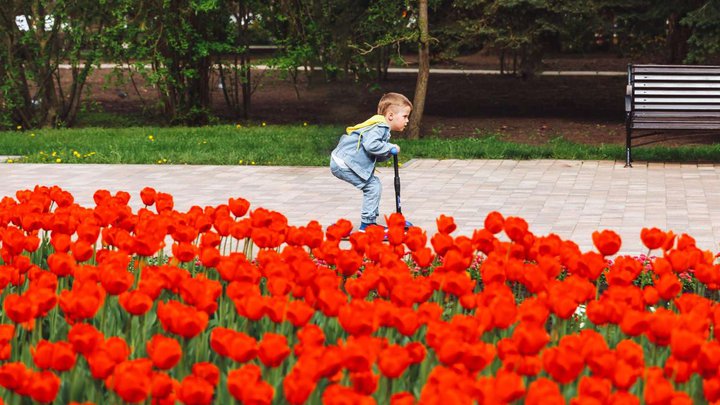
[[291, 145]]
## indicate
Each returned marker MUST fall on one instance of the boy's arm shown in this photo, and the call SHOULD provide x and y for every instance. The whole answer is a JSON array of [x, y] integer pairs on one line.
[[374, 144]]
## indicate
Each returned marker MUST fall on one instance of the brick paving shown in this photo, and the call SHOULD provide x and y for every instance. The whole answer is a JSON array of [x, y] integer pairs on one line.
[[569, 198]]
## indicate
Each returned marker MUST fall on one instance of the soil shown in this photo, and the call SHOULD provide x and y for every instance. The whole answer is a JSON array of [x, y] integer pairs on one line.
[[582, 109]]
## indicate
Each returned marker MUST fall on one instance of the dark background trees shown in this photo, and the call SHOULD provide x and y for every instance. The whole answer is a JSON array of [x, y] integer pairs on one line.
[[185, 48], [37, 37]]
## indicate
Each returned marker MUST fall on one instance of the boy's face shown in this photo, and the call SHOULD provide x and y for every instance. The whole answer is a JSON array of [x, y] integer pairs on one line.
[[397, 117]]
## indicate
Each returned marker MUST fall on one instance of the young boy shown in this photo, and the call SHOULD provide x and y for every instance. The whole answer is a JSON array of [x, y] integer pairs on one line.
[[353, 160]]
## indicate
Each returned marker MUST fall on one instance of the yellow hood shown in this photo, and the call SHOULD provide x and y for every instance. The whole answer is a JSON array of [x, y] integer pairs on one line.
[[375, 119]]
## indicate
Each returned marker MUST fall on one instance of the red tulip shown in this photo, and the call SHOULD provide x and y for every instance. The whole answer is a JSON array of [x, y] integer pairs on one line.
[[393, 361], [445, 225], [132, 380], [207, 371], [147, 195], [44, 386], [135, 302], [164, 352], [57, 356], [273, 349], [238, 206], [195, 391], [607, 242]]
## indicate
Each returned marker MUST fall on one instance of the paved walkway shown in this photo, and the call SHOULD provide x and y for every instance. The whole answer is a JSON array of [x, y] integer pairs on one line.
[[569, 198]]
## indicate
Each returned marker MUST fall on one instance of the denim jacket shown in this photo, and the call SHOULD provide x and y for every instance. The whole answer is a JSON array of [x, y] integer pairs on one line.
[[361, 148]]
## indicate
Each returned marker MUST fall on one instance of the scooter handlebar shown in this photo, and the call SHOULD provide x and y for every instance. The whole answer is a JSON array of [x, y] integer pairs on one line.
[[393, 151]]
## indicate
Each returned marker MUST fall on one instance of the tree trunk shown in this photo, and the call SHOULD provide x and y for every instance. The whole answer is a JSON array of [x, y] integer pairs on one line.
[[423, 73], [677, 37], [246, 84], [245, 67], [502, 62], [530, 59], [225, 84]]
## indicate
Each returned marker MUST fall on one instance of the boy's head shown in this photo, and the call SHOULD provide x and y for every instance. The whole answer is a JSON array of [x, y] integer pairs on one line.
[[396, 108], [392, 100]]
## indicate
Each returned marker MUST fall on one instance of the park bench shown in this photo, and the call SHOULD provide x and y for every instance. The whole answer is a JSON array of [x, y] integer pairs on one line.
[[670, 100]]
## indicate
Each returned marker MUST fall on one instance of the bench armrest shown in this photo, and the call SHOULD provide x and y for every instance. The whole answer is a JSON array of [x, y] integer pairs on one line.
[[628, 98]]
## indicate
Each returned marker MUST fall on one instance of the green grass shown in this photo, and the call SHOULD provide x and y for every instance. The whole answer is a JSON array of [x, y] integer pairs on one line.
[[296, 145], [216, 145]]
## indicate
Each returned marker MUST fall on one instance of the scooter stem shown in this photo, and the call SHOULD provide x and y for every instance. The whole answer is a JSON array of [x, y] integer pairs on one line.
[[398, 209]]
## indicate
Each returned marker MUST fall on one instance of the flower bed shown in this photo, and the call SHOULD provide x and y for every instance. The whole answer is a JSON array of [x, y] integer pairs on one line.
[[106, 305]]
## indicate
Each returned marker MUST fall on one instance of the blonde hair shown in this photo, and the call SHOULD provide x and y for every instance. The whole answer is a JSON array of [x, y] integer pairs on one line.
[[392, 99]]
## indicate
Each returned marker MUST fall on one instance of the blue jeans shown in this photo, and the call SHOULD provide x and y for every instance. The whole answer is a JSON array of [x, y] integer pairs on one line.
[[372, 190]]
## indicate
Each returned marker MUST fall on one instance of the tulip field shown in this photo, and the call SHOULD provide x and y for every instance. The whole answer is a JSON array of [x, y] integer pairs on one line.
[[231, 304]]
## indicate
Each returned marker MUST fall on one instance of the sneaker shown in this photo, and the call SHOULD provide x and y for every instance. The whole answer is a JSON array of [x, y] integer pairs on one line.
[[364, 225]]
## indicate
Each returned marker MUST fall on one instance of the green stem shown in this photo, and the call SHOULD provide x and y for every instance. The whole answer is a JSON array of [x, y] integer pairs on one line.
[[37, 333], [388, 390]]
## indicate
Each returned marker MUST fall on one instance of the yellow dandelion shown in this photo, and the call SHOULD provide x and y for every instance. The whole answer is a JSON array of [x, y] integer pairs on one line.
[[263, 124], [252, 163], [32, 135], [240, 162], [19, 127], [58, 160], [305, 124], [151, 138], [238, 126], [9, 160], [54, 153]]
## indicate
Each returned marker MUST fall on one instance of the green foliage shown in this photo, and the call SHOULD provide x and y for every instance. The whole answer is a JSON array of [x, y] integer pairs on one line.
[[177, 46], [705, 39], [178, 39], [520, 29], [339, 36], [674, 31], [33, 90], [669, 31]]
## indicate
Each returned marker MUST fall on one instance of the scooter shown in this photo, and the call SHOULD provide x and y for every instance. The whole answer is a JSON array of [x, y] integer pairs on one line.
[[398, 205]]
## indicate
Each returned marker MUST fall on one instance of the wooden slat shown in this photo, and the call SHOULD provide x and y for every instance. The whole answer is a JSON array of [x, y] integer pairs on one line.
[[680, 100], [644, 92], [668, 65], [677, 120], [678, 78], [676, 69], [686, 114], [670, 125], [676, 107], [677, 85]]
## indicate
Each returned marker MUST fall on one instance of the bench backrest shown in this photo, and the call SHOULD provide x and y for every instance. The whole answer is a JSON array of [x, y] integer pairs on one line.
[[681, 95]]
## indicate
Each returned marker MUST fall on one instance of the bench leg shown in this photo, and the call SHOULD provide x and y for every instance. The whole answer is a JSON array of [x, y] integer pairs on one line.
[[628, 145]]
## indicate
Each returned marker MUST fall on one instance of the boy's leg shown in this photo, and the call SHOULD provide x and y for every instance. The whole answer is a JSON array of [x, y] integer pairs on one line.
[[345, 174], [351, 177], [371, 200]]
